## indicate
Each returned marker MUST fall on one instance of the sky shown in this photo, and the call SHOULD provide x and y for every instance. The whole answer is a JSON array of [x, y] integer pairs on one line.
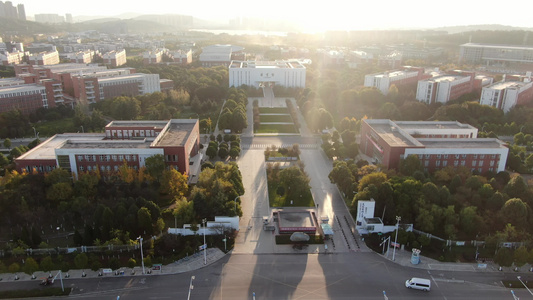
[[315, 15]]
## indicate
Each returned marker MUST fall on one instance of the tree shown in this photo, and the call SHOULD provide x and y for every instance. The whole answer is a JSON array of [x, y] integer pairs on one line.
[[7, 143], [144, 219], [13, 268], [174, 183], [520, 256], [155, 165], [47, 264], [470, 221], [30, 266], [503, 257], [515, 212], [59, 192]]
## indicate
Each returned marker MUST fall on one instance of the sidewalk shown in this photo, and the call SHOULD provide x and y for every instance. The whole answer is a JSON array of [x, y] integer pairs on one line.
[[191, 263], [403, 258]]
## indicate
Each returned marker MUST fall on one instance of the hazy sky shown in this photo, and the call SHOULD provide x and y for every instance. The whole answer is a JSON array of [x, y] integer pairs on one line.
[[315, 14]]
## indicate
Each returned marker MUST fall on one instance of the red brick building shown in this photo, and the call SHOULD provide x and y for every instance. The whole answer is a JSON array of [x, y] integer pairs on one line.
[[437, 145], [124, 142]]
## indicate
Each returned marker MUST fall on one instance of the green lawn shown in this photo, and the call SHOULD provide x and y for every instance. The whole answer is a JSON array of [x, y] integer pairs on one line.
[[275, 118], [49, 128], [273, 110], [276, 128]]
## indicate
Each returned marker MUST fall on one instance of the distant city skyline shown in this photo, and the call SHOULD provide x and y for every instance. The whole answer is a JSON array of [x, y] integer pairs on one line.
[[313, 16]]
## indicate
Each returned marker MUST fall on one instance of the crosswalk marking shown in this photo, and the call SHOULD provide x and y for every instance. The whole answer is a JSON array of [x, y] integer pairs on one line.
[[264, 146]]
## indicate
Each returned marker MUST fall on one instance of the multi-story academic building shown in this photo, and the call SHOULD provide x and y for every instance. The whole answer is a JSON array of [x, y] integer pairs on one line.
[[511, 91], [124, 142], [405, 76], [437, 145], [221, 55], [450, 86], [290, 73]]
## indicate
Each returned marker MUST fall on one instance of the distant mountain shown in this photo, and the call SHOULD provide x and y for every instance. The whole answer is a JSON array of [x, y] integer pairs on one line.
[[100, 21], [466, 28], [19, 27]]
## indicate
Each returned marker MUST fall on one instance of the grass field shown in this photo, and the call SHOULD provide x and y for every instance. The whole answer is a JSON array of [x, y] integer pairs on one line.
[[276, 128], [276, 118], [273, 110]]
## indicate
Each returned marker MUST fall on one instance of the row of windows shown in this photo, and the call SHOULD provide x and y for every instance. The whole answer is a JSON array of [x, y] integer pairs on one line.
[[102, 168], [458, 156], [480, 170], [114, 157], [456, 163]]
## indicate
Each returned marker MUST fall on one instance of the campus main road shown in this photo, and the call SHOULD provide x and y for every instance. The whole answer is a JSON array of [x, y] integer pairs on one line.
[[313, 276]]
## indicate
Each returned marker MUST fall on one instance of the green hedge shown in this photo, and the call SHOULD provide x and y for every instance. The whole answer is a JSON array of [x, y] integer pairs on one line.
[[45, 292], [284, 239]]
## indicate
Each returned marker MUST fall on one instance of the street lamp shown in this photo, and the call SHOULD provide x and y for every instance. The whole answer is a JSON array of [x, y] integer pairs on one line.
[[398, 218], [142, 256], [82, 130], [205, 246], [524, 285], [190, 288], [235, 205], [34, 131]]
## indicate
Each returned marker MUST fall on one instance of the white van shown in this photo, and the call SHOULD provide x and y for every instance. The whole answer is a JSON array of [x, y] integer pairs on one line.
[[419, 284]]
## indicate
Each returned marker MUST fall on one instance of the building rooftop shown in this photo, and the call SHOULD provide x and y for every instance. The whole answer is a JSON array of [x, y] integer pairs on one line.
[[177, 133], [414, 125], [20, 88], [278, 64], [501, 85], [46, 150], [11, 81], [392, 136], [497, 46], [463, 143]]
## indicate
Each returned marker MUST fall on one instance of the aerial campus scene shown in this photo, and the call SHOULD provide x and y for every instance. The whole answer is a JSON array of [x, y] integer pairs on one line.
[[266, 150]]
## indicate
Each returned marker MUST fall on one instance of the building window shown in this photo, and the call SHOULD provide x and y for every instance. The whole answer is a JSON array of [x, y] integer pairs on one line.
[[438, 156], [437, 163], [103, 158], [420, 156], [463, 156], [80, 158], [481, 163], [456, 156], [82, 168], [474, 163], [482, 156], [491, 169], [426, 163], [445, 156], [121, 157], [493, 156], [492, 163], [114, 157], [102, 168], [480, 170], [127, 157], [427, 156], [445, 163], [134, 157], [115, 168], [463, 163]]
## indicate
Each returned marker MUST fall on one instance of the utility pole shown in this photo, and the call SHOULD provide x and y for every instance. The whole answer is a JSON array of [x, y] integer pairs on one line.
[[398, 218], [205, 245], [142, 255]]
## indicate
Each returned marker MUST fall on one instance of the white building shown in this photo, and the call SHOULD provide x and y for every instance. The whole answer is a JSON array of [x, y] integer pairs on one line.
[[220, 55], [383, 81], [132, 84], [507, 93], [495, 54], [253, 73]]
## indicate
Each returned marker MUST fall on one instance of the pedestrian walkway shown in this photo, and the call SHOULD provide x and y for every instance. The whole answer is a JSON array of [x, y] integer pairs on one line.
[[264, 146], [187, 264], [403, 258]]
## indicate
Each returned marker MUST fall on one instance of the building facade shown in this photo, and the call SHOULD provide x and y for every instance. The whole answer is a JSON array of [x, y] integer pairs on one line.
[[511, 91], [220, 55], [254, 73], [405, 76], [436, 144], [115, 58], [441, 89], [495, 54], [123, 143], [44, 58], [27, 98]]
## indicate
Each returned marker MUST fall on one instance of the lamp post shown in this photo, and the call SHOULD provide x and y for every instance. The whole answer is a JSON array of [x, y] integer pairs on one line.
[[82, 130], [519, 279], [205, 246], [34, 131], [398, 218], [142, 256], [235, 205], [190, 287]]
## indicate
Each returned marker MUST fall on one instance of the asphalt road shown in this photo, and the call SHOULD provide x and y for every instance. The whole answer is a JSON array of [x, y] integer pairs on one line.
[[323, 276]]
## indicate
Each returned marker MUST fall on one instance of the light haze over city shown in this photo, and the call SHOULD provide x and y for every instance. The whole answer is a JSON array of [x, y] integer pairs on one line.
[[313, 16]]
